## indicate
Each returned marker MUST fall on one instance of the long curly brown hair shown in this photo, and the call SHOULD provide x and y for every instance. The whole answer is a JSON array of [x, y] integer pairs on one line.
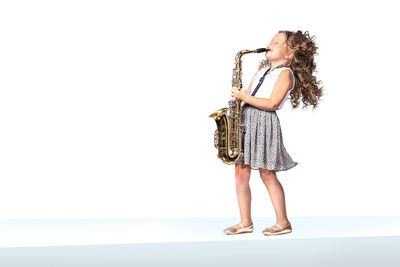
[[302, 64]]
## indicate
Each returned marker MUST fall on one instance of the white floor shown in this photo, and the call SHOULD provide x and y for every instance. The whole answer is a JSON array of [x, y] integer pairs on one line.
[[67, 232], [189, 241]]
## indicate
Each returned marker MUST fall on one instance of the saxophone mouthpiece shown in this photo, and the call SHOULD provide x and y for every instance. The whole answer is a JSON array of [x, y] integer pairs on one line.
[[261, 50]]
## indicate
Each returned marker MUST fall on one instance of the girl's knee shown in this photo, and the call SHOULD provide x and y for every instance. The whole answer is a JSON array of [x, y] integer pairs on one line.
[[242, 173], [267, 174], [242, 169]]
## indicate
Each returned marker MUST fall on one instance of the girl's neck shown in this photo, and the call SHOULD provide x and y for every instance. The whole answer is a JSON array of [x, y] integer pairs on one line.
[[276, 64]]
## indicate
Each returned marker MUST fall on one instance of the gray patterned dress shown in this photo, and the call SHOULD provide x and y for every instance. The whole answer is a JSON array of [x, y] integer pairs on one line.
[[262, 135]]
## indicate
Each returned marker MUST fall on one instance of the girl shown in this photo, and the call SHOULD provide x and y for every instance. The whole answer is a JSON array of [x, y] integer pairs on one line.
[[288, 70]]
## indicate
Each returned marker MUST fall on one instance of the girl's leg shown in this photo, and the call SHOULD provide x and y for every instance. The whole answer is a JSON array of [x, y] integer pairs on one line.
[[242, 176], [277, 196]]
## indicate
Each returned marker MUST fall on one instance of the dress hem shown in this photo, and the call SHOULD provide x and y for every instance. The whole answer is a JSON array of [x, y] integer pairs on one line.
[[271, 169]]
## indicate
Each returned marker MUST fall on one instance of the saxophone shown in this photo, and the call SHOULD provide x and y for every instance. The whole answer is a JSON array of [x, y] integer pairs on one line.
[[228, 136]]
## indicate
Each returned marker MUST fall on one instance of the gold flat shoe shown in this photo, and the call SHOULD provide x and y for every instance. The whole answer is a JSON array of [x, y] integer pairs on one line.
[[271, 231], [242, 230]]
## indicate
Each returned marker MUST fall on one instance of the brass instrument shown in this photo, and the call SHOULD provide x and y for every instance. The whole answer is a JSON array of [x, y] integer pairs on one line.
[[228, 136]]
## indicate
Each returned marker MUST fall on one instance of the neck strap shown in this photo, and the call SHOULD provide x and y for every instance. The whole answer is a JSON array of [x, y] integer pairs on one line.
[[262, 80]]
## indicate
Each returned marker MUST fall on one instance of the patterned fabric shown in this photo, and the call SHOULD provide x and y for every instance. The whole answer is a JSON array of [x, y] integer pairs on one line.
[[262, 141]]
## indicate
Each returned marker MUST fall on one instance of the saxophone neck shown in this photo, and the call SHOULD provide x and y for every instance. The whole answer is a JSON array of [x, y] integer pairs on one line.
[[238, 58], [244, 52]]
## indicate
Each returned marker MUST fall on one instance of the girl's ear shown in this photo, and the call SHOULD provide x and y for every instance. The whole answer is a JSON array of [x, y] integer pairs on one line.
[[291, 56]]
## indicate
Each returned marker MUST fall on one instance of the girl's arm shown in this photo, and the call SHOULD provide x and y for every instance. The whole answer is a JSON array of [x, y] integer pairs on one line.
[[281, 87]]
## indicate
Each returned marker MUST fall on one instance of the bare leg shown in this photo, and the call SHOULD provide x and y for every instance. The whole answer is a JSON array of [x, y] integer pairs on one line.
[[242, 176], [277, 196]]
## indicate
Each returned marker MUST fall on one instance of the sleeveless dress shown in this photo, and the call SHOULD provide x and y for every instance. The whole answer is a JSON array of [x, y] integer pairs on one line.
[[262, 137]]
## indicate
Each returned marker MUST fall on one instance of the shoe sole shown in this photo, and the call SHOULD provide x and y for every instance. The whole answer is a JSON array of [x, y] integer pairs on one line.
[[279, 233], [241, 232]]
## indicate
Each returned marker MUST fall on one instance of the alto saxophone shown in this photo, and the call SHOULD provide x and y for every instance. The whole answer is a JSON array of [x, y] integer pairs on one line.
[[228, 136]]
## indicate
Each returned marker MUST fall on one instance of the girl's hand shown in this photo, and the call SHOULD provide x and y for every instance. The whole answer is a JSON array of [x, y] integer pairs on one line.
[[239, 95]]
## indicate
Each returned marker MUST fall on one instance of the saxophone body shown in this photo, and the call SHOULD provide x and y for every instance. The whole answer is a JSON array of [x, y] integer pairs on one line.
[[228, 136]]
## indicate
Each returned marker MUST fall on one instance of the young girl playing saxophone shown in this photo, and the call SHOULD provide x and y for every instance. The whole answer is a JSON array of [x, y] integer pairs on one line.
[[288, 70]]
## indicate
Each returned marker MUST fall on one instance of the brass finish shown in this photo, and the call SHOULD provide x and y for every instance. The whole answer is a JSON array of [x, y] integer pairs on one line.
[[228, 136]]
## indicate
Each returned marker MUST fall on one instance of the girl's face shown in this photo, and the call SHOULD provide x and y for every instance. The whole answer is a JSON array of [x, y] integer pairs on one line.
[[278, 48]]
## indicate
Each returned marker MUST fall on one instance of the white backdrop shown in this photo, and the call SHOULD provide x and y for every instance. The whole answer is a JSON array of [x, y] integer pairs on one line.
[[104, 108]]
